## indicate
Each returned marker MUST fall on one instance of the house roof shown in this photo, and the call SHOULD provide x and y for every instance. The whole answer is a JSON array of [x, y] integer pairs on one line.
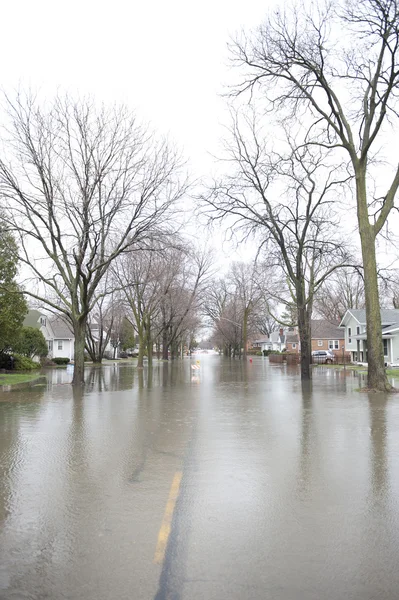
[[32, 318], [261, 340], [389, 316], [276, 337], [292, 338], [61, 329], [322, 329], [390, 328]]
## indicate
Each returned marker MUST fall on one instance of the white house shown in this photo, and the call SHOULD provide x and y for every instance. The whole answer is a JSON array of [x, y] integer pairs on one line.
[[279, 340], [57, 333], [354, 323]]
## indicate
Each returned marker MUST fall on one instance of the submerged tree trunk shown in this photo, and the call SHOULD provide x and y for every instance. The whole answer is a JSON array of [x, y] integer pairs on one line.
[[140, 360], [79, 352], [149, 340], [306, 342], [245, 332], [377, 378], [165, 345]]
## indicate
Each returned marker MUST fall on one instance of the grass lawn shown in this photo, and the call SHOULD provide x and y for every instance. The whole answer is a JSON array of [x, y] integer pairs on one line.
[[12, 378], [389, 372], [393, 372], [349, 366]]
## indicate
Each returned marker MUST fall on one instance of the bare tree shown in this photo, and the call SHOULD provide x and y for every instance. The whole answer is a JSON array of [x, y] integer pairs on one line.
[[288, 203], [234, 304], [344, 290], [182, 297], [104, 321], [248, 281], [139, 275], [83, 185], [334, 67], [161, 290]]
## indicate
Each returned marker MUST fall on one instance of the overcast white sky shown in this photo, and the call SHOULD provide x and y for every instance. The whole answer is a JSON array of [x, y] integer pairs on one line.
[[167, 59]]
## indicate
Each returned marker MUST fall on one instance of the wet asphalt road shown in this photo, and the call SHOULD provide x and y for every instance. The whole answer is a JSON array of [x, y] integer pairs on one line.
[[237, 483]]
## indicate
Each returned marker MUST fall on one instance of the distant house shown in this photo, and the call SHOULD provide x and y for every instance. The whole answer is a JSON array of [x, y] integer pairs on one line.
[[354, 326], [57, 333], [292, 342], [110, 351], [324, 336], [327, 336], [283, 339]]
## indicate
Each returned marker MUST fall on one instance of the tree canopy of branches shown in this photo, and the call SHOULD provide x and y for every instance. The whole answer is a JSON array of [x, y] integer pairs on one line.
[[82, 185], [237, 307], [334, 68], [162, 291], [344, 290], [286, 201]]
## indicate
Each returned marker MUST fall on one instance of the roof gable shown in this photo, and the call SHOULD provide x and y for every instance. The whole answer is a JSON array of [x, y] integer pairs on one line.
[[323, 329], [389, 316], [32, 319], [61, 329]]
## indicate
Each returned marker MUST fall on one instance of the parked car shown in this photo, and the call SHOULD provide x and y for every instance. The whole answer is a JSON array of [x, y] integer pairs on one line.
[[322, 357]]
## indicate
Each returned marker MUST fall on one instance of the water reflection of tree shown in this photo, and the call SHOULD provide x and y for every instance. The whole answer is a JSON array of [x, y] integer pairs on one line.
[[109, 378], [305, 436], [379, 477]]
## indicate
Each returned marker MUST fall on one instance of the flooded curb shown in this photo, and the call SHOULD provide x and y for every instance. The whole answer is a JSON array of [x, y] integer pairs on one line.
[[23, 385]]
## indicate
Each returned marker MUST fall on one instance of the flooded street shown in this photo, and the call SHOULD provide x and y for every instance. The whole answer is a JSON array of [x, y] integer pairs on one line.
[[233, 483]]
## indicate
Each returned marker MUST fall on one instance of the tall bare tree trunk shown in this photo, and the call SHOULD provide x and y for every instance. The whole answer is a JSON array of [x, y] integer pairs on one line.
[[79, 353], [140, 360], [149, 342], [304, 336], [165, 344], [377, 378], [245, 332]]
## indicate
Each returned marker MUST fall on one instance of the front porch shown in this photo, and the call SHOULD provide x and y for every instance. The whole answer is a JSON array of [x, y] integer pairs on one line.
[[360, 355]]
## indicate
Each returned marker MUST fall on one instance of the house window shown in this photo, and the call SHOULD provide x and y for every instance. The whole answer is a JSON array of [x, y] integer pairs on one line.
[[349, 334], [357, 330], [59, 344], [50, 345], [43, 321], [385, 343], [293, 346], [333, 344], [320, 343]]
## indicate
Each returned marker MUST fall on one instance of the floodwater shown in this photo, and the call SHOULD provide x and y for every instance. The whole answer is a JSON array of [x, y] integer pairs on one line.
[[231, 481]]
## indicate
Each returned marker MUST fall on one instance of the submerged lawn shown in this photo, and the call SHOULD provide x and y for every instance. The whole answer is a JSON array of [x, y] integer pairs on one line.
[[12, 378]]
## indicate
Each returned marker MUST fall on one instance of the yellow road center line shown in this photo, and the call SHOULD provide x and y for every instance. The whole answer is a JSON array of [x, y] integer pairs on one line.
[[166, 526]]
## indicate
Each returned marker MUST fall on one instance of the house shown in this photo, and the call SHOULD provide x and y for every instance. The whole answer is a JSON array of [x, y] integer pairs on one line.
[[110, 351], [279, 340], [354, 325], [327, 336], [57, 333], [324, 336]]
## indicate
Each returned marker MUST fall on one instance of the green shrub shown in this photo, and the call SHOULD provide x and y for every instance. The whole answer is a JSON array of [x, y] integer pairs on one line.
[[31, 342], [23, 363], [61, 360], [259, 353]]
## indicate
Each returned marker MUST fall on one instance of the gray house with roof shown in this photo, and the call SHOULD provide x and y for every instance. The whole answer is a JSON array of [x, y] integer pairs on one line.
[[355, 326], [57, 333], [279, 340]]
